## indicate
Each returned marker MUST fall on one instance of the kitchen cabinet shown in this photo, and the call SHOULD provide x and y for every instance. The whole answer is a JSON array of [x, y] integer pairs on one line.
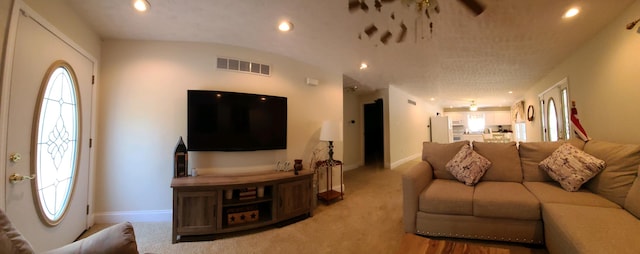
[[473, 137], [457, 118], [492, 118], [502, 117]]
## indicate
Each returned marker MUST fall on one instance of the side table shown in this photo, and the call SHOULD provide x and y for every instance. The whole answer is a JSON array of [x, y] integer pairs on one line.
[[330, 194]]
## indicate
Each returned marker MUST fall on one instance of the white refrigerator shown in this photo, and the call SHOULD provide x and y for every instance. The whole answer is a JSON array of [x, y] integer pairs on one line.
[[441, 131]]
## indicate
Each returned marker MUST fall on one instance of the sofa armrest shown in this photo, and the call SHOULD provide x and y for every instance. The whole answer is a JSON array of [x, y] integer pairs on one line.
[[414, 180], [118, 238]]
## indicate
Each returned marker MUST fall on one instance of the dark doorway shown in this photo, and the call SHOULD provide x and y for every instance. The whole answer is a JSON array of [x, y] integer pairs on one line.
[[374, 134]]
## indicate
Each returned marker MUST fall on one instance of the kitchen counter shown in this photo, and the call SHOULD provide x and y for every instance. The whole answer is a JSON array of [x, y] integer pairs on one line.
[[506, 137], [472, 137]]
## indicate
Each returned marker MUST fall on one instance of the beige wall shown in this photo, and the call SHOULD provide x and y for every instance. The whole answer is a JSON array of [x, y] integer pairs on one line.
[[407, 125], [353, 136], [604, 81], [69, 23], [5, 11], [143, 112]]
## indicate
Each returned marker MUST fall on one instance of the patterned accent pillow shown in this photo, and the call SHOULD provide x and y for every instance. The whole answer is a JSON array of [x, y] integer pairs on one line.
[[468, 166], [571, 167]]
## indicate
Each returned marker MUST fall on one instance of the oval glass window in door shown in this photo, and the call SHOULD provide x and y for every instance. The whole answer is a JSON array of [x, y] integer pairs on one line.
[[56, 136], [553, 121]]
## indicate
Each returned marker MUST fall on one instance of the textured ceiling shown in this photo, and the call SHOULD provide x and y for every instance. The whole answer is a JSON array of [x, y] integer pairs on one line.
[[465, 57]]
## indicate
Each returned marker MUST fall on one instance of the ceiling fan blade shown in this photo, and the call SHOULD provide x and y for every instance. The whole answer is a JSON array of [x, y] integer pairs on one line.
[[476, 7], [354, 5], [364, 6], [370, 30], [378, 5], [385, 37], [403, 33]]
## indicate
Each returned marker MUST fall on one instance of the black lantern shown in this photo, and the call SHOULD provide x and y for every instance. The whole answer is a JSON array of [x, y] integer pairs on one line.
[[180, 159]]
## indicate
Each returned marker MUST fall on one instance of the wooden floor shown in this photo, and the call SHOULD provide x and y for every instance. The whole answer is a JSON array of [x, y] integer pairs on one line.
[[421, 245]]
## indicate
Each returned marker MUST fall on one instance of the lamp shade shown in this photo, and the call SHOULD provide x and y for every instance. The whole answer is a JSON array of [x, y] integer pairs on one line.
[[331, 131]]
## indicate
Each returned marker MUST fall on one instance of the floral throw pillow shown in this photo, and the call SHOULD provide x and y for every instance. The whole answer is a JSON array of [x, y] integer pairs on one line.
[[468, 166], [571, 167]]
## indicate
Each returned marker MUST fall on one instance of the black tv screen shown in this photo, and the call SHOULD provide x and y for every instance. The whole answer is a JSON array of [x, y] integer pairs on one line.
[[228, 121]]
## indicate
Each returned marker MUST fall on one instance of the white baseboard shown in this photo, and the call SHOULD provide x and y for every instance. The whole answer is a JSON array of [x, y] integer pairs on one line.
[[402, 161], [350, 167], [134, 216]]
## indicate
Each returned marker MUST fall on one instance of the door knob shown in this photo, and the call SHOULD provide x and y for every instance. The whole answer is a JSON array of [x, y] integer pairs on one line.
[[15, 157], [15, 178]]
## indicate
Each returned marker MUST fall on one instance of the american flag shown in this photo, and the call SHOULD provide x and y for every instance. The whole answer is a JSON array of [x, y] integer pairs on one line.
[[575, 123]]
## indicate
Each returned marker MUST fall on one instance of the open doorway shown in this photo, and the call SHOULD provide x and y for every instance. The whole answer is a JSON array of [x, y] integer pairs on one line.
[[374, 134]]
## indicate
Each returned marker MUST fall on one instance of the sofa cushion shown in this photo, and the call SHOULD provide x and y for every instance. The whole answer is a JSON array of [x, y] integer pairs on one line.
[[632, 203], [505, 200], [468, 166], [439, 154], [447, 197], [577, 142], [571, 167], [551, 192], [581, 229], [505, 161], [616, 179], [531, 154], [11, 241], [118, 238]]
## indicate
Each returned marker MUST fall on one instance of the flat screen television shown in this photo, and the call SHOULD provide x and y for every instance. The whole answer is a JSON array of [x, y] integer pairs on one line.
[[229, 121]]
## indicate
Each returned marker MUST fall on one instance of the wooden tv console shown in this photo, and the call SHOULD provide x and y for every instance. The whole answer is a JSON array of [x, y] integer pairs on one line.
[[202, 206]]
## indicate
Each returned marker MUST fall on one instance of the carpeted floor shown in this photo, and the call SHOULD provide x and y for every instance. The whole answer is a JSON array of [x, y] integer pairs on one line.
[[368, 220]]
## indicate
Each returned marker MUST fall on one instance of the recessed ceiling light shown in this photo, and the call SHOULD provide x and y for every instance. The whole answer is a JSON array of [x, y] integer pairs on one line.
[[571, 13], [432, 99], [141, 5], [285, 26], [363, 66], [510, 92]]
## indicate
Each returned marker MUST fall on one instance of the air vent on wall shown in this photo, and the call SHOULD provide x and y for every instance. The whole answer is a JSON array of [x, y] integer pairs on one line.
[[243, 66]]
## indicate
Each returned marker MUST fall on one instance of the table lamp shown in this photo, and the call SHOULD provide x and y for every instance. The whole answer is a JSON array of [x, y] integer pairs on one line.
[[331, 131]]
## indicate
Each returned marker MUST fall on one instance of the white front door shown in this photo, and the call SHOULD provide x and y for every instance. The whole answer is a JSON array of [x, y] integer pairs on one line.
[[40, 131], [555, 112]]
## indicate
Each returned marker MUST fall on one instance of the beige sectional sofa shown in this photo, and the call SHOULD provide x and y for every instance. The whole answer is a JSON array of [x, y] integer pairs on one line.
[[116, 239], [515, 201]]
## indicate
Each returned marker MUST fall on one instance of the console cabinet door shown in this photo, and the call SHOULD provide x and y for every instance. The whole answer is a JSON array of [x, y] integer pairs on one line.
[[196, 212], [294, 198]]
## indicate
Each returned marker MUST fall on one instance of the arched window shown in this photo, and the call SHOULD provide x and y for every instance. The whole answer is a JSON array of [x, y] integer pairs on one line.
[[56, 142]]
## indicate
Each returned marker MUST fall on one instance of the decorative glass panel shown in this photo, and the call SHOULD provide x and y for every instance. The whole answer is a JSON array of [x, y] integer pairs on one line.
[[521, 132], [565, 110], [56, 144], [553, 121]]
